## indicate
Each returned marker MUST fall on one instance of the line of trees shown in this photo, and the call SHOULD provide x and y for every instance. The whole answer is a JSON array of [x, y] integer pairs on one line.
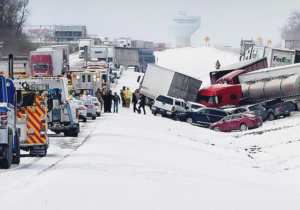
[[291, 30], [13, 16]]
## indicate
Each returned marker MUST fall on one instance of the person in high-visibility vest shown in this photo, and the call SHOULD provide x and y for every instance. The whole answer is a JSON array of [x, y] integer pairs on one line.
[[127, 97]]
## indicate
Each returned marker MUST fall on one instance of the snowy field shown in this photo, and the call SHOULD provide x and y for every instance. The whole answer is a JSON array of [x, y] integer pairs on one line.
[[135, 161]]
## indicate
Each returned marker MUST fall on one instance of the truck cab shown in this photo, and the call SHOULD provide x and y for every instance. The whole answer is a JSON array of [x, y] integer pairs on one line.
[[220, 95], [146, 57], [9, 141]]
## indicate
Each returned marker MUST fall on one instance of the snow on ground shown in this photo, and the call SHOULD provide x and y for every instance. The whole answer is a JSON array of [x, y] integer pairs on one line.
[[136, 161]]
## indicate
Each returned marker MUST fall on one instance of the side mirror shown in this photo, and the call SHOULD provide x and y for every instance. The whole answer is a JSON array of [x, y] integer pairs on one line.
[[139, 78]]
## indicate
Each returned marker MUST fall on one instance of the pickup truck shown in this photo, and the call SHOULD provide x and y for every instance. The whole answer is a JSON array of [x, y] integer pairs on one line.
[[276, 108]]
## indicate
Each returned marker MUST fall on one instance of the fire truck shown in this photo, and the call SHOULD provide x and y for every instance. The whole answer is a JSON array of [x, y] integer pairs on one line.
[[62, 117], [32, 117]]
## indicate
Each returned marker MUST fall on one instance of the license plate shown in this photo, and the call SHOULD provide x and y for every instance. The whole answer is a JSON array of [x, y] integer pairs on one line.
[[169, 112]]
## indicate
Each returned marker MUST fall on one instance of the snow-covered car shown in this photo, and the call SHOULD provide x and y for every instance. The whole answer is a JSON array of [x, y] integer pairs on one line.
[[91, 109], [116, 72], [237, 122], [97, 105], [82, 110]]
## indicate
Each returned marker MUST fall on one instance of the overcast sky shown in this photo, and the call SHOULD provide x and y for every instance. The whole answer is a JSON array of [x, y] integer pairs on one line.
[[225, 22]]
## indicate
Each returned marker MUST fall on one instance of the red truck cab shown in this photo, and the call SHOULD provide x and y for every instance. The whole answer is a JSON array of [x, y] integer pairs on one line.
[[161, 47], [41, 64], [220, 95]]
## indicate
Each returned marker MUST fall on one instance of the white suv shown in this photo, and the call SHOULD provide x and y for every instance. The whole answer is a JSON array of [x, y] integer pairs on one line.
[[168, 106]]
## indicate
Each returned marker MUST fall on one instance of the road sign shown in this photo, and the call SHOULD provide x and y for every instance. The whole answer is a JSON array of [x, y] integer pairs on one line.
[[259, 39], [269, 42], [207, 39]]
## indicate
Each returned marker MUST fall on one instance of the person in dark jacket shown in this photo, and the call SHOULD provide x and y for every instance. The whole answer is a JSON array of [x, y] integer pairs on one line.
[[134, 101], [123, 96], [116, 100], [142, 103], [109, 101], [104, 98]]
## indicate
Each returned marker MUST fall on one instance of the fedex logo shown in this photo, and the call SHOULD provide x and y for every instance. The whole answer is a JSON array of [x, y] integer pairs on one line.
[[282, 60]]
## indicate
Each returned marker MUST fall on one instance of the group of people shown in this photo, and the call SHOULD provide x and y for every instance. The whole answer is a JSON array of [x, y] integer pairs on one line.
[[126, 97], [107, 100], [141, 102]]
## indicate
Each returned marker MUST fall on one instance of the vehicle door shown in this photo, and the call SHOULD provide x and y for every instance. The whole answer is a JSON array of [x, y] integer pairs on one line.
[[225, 124], [216, 115], [202, 117], [177, 105], [235, 122]]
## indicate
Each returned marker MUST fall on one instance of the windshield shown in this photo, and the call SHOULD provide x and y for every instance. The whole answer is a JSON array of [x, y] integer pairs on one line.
[[196, 106], [81, 48], [205, 99], [40, 67], [149, 60], [87, 102]]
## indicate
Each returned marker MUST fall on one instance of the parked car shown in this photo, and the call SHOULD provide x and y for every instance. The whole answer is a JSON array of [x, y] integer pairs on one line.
[[255, 109], [237, 122], [91, 109], [204, 117], [276, 108], [168, 106], [97, 105], [194, 106], [82, 110]]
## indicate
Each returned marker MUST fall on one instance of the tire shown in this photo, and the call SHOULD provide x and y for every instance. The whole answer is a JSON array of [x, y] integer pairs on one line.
[[189, 120], [16, 157], [243, 127], [176, 116], [84, 120], [271, 116], [57, 132], [99, 114], [154, 113], [6, 161], [216, 128], [93, 118]]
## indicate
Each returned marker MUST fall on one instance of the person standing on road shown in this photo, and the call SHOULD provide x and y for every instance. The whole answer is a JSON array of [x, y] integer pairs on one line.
[[142, 103], [122, 93], [99, 96], [134, 101], [109, 101], [104, 97], [218, 65], [127, 97], [116, 100]]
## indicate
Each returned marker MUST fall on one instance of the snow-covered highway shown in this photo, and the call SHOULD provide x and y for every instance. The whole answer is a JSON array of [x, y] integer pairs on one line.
[[135, 161]]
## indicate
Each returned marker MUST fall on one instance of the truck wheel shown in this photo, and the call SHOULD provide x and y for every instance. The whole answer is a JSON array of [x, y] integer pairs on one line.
[[93, 118], [16, 157], [271, 116], [5, 163], [57, 132], [243, 127], [216, 128], [154, 113], [84, 120], [99, 114], [66, 133], [189, 120]]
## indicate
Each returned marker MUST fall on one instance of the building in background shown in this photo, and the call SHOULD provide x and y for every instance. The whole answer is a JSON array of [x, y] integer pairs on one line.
[[70, 33], [183, 26]]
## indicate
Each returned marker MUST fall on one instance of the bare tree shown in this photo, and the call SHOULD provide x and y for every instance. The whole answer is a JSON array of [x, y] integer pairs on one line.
[[13, 16], [291, 30]]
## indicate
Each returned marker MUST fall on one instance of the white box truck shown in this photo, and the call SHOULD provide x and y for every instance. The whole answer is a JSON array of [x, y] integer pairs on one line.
[[82, 43], [161, 81], [66, 53], [46, 62]]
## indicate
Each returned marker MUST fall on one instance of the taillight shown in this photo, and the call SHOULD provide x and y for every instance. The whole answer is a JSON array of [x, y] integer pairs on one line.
[[3, 113], [82, 108], [173, 108], [42, 131], [97, 104], [3, 118], [91, 106], [4, 123], [153, 102], [277, 107]]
